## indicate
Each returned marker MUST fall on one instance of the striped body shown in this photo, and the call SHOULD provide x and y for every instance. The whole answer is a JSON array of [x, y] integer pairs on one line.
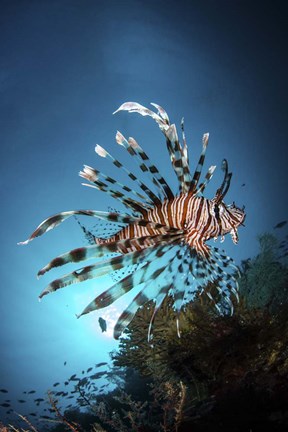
[[162, 248], [193, 215]]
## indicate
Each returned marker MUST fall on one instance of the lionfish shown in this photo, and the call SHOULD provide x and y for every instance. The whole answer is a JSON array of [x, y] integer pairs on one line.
[[161, 242]]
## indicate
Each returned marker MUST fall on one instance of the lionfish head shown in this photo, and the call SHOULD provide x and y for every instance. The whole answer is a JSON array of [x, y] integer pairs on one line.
[[233, 217]]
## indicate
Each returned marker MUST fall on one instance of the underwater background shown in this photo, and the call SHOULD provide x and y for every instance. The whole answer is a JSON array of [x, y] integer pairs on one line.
[[65, 67]]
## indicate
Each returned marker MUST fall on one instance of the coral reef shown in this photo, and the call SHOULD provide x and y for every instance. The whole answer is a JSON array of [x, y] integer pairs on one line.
[[224, 372], [264, 278]]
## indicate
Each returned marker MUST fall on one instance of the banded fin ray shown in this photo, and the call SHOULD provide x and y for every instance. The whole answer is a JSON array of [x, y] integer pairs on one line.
[[102, 249], [198, 170], [150, 290], [183, 285], [103, 153], [178, 278], [140, 276], [147, 276], [178, 155], [53, 221], [123, 198], [163, 122], [99, 269], [185, 148], [173, 286], [93, 176], [134, 149], [178, 159], [163, 114], [179, 162], [208, 177], [220, 270], [222, 191]]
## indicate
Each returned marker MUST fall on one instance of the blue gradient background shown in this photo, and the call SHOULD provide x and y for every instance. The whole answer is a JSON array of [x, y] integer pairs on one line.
[[65, 67]]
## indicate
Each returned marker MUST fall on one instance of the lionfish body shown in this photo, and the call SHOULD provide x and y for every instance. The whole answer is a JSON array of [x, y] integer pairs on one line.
[[162, 246], [194, 216]]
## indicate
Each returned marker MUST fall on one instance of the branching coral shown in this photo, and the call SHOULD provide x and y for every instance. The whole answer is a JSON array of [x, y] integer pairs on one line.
[[264, 282]]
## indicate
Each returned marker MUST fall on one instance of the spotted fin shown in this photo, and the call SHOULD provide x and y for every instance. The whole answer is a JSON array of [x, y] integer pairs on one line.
[[191, 274], [148, 276]]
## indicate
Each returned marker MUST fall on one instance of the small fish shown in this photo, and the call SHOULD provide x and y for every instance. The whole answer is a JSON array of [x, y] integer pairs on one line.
[[83, 382], [70, 397], [3, 391], [21, 400], [100, 364], [56, 384], [89, 369], [280, 224], [65, 362], [72, 377], [243, 184], [66, 383], [31, 392], [39, 400], [97, 375], [102, 324], [32, 414], [5, 405]]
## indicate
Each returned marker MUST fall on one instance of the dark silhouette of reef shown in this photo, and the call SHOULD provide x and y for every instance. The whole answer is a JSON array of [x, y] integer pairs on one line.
[[225, 373]]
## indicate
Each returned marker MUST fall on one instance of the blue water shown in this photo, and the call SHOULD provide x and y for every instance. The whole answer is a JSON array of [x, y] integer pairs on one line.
[[66, 66]]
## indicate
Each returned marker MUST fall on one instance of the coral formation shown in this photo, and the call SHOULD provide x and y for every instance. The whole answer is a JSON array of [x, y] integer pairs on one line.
[[223, 373]]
